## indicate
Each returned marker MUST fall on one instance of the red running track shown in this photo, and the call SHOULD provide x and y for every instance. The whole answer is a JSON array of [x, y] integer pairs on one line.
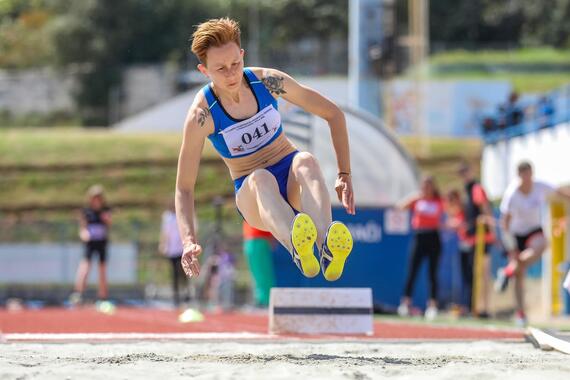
[[138, 320]]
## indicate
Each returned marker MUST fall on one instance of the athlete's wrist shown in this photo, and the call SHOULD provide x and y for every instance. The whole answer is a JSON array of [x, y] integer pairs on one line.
[[343, 173], [188, 246]]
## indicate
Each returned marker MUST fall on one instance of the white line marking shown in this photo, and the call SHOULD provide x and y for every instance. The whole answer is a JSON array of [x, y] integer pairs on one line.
[[22, 337], [545, 339]]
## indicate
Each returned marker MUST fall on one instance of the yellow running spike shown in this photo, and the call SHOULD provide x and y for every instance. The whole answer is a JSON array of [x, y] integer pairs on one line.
[[303, 237], [337, 247]]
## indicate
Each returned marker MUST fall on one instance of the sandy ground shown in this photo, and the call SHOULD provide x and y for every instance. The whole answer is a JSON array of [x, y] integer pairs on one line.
[[479, 360]]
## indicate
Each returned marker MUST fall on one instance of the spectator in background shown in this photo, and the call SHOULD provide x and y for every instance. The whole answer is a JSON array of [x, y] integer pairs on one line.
[[456, 221], [218, 287], [523, 236], [501, 118], [513, 111], [226, 270], [257, 247], [170, 246], [476, 208], [94, 224], [489, 125], [545, 111], [427, 212]]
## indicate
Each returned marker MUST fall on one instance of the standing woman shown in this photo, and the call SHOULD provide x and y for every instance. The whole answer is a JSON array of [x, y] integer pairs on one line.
[[170, 246], [427, 211], [277, 188], [94, 223]]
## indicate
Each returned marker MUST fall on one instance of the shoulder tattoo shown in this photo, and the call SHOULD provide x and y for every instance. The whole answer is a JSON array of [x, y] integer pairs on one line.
[[274, 84], [203, 114]]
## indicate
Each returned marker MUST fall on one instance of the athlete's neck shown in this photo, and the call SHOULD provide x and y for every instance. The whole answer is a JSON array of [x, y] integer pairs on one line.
[[525, 187], [230, 96]]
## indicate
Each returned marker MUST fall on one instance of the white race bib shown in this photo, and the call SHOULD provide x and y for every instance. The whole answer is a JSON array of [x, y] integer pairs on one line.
[[426, 207], [97, 231], [249, 135]]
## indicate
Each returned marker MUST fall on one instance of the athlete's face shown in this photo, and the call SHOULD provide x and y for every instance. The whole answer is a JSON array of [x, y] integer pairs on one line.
[[427, 188], [224, 66], [96, 202], [465, 174], [526, 176], [453, 198]]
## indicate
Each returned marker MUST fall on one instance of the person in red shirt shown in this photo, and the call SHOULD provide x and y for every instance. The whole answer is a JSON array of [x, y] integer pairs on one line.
[[427, 211], [253, 233]]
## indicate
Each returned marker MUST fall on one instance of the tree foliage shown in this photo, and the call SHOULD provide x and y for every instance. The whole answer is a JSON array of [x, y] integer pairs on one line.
[[98, 38], [526, 23], [23, 38]]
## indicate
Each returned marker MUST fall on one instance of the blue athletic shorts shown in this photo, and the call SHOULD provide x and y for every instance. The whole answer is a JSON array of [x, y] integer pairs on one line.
[[281, 173]]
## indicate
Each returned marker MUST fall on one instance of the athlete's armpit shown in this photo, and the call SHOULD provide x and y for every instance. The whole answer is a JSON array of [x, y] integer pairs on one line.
[[203, 114], [274, 84]]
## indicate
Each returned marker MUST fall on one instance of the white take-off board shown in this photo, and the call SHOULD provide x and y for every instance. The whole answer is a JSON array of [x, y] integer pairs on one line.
[[321, 311]]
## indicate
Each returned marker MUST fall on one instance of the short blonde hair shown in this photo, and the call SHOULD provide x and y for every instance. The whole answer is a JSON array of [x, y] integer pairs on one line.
[[214, 32], [95, 191]]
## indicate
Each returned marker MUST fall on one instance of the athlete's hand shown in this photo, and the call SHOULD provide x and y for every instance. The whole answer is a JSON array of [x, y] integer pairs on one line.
[[343, 187], [84, 234], [189, 259]]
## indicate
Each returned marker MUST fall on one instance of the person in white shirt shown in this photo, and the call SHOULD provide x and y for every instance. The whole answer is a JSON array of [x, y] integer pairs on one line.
[[170, 246], [522, 208]]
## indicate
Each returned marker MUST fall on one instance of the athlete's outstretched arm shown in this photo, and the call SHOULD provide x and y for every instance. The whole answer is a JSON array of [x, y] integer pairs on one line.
[[563, 192], [198, 125], [281, 84], [406, 203]]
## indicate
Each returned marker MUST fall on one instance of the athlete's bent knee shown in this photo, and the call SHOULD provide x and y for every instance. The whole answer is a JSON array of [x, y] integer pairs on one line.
[[538, 244], [306, 160], [261, 178]]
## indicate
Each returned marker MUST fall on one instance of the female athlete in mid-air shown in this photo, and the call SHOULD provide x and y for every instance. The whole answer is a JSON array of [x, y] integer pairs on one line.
[[278, 189]]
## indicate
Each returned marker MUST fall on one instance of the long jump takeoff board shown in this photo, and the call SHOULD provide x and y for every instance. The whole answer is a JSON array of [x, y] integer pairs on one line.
[[321, 311], [550, 339]]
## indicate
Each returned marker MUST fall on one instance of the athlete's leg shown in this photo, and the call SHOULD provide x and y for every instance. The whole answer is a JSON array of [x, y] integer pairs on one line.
[[434, 254], [413, 268], [307, 191], [533, 250], [103, 290], [82, 272], [535, 247], [264, 208], [519, 291], [175, 263]]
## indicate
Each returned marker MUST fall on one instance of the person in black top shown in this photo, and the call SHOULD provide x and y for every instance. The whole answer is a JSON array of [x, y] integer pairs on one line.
[[94, 223], [476, 208]]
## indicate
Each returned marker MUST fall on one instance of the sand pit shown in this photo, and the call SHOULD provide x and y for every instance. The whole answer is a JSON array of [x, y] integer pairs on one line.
[[479, 360]]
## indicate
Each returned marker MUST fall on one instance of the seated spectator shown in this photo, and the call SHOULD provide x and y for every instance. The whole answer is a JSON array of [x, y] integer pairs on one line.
[[489, 125], [514, 113], [501, 118], [545, 111]]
